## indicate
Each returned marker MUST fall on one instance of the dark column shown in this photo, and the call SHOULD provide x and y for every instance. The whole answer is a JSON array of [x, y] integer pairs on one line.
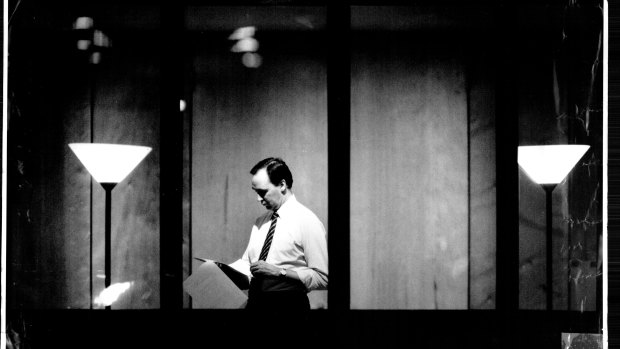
[[171, 157], [507, 290], [338, 149]]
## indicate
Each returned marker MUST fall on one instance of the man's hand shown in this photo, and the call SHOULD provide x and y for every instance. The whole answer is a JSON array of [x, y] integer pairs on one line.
[[264, 268]]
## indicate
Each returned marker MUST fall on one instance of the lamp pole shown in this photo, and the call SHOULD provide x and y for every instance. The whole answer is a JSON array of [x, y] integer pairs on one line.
[[549, 237], [108, 233]]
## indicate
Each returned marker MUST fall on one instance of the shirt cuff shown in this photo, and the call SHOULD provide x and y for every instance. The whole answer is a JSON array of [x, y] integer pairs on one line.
[[311, 278]]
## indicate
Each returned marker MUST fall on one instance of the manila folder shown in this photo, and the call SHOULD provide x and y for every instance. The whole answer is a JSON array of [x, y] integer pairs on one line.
[[210, 288]]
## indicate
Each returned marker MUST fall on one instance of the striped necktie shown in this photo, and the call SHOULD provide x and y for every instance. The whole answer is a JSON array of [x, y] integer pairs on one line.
[[269, 238]]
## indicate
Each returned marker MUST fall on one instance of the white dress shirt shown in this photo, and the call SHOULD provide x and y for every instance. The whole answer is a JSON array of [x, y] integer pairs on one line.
[[299, 243]]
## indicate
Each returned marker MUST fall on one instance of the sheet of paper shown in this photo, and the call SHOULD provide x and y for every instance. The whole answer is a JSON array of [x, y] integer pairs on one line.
[[210, 288]]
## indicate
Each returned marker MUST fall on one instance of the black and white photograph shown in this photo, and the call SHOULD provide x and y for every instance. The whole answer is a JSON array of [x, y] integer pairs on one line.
[[305, 174]]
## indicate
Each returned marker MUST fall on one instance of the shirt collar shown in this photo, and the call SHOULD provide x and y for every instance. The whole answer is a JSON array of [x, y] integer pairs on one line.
[[287, 206]]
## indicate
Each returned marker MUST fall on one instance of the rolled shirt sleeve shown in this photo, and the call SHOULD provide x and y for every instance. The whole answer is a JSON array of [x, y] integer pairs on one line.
[[314, 237]]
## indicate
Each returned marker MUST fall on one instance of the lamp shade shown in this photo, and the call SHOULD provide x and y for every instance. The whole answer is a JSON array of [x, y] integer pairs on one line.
[[109, 163], [549, 164]]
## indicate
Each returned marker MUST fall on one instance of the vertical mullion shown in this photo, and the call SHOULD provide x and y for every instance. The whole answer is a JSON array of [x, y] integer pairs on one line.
[[338, 153], [507, 176], [171, 158], [507, 300]]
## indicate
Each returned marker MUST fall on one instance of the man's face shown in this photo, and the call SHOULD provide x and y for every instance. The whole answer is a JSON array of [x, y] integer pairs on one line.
[[269, 195]]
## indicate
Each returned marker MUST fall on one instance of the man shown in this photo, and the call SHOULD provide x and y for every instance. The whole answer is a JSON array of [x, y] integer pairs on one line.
[[291, 260]]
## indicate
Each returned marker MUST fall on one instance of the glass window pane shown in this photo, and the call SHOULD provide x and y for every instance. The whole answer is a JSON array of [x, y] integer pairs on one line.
[[258, 89], [422, 160], [85, 73]]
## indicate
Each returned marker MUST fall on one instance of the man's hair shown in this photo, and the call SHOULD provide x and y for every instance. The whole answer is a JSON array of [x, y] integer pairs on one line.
[[276, 170]]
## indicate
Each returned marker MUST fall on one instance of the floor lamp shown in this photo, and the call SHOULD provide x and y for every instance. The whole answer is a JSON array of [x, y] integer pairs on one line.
[[109, 164], [548, 165]]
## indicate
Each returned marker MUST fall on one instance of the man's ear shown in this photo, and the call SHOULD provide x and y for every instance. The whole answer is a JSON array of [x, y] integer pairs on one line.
[[283, 186]]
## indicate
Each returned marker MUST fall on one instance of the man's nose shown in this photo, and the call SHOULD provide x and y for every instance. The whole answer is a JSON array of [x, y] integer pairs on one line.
[[259, 198]]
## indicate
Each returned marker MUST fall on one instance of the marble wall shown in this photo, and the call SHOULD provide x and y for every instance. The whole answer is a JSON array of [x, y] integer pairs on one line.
[[560, 102]]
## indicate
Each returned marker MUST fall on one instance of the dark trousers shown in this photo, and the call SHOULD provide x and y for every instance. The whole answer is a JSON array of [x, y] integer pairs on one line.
[[276, 314], [277, 295]]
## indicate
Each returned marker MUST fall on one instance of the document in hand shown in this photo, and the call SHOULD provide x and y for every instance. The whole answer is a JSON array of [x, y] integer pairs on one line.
[[211, 288], [238, 271], [241, 280]]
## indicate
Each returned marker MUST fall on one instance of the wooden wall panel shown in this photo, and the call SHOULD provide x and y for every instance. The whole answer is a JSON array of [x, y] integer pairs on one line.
[[409, 189], [187, 185], [52, 266], [127, 112], [75, 211], [538, 125], [241, 116], [482, 181], [48, 203], [532, 264], [50, 195]]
